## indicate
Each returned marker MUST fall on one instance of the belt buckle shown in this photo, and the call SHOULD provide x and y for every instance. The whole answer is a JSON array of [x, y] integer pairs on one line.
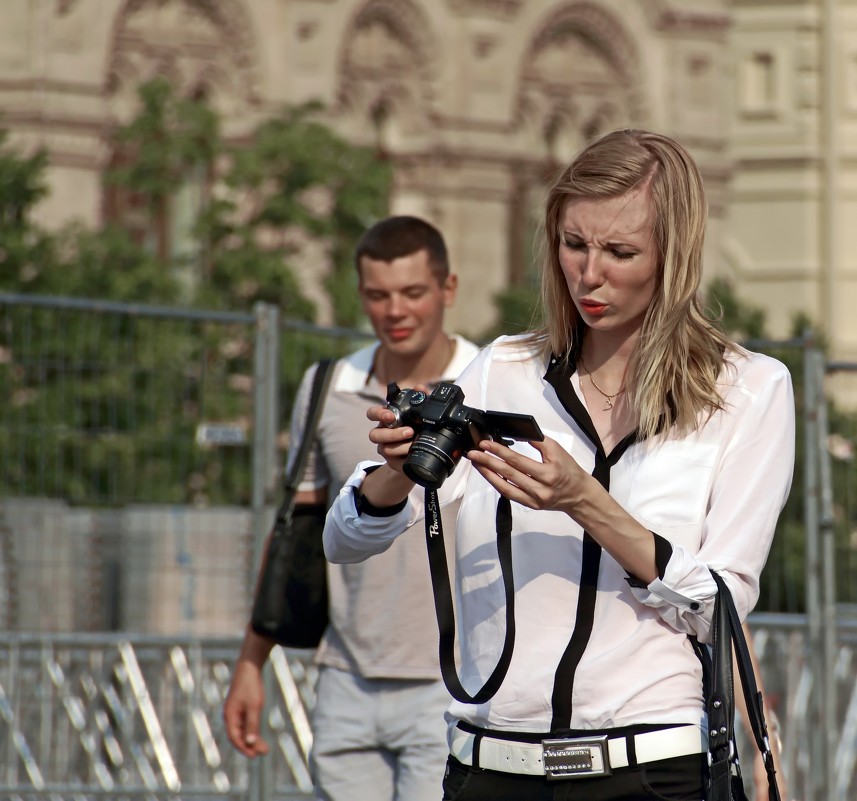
[[576, 757]]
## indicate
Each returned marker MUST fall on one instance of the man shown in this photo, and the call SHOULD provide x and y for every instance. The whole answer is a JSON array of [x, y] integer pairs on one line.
[[378, 724]]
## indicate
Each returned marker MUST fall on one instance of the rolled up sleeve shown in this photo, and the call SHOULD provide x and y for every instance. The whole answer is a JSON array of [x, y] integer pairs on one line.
[[748, 493], [351, 537]]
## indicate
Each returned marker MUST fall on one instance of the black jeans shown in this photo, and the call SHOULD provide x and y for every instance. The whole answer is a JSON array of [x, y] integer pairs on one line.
[[678, 779]]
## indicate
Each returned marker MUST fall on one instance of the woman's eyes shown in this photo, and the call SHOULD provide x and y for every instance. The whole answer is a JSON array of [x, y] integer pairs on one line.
[[616, 253]]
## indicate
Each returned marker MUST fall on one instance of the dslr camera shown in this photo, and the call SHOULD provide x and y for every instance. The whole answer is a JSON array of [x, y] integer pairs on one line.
[[445, 429]]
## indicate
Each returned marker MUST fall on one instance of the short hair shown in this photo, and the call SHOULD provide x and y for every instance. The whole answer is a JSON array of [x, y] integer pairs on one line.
[[676, 331], [402, 235]]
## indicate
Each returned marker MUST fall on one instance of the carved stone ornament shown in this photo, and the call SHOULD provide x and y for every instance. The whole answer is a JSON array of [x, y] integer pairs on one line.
[[200, 45], [579, 79], [499, 9], [386, 68]]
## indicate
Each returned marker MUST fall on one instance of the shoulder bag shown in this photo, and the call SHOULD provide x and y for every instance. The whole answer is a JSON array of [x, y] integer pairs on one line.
[[724, 782], [290, 605]]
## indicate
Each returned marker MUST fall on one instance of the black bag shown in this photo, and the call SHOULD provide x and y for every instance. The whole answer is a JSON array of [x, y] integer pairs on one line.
[[290, 606], [724, 782]]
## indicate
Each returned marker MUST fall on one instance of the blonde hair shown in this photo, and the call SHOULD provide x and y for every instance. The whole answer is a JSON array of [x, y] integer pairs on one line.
[[673, 370]]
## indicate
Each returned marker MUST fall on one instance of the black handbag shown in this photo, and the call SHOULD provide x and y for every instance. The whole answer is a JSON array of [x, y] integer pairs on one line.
[[724, 781], [290, 605]]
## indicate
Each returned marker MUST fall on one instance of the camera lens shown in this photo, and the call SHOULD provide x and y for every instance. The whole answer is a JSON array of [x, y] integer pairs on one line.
[[432, 458]]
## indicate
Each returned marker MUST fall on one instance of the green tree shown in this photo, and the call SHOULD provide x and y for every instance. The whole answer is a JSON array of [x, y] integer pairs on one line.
[[741, 319], [25, 249], [295, 182], [518, 310], [104, 408], [168, 138]]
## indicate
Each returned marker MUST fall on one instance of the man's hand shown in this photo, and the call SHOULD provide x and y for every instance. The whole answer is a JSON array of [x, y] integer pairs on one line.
[[760, 775], [245, 699]]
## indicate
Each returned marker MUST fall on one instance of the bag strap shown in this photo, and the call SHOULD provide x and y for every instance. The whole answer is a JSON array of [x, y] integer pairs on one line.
[[720, 704], [318, 393], [728, 632]]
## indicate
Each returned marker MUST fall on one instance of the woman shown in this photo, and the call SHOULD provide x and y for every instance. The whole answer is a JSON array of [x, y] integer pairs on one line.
[[668, 452]]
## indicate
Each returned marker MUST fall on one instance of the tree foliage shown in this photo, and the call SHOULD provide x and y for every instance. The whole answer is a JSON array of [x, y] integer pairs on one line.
[[104, 407], [169, 136], [295, 182], [24, 247], [518, 310]]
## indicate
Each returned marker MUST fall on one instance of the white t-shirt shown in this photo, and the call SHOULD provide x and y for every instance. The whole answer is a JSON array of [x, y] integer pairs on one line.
[[714, 495], [382, 622]]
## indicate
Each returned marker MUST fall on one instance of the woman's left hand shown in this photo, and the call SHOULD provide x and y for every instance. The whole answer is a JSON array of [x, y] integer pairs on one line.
[[556, 483]]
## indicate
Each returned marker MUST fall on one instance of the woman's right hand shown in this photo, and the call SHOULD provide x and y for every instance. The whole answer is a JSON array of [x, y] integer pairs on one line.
[[392, 444], [389, 485]]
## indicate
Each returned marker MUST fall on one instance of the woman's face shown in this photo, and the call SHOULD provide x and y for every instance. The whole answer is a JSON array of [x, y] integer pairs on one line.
[[609, 257]]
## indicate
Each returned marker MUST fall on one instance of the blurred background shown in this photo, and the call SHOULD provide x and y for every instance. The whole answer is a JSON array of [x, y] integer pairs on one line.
[[181, 185]]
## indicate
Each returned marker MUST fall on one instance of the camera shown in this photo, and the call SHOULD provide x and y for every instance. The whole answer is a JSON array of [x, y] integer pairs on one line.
[[445, 429]]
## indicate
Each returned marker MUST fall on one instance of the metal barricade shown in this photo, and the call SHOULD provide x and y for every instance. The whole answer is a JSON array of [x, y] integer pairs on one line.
[[108, 716], [140, 459]]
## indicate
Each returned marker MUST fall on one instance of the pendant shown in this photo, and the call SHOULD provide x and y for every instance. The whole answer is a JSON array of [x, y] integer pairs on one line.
[[608, 405]]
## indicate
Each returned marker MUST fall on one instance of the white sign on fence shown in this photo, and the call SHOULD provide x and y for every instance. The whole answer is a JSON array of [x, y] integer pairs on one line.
[[221, 434]]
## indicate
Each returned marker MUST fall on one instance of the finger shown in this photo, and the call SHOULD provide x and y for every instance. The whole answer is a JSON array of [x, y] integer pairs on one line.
[[535, 481], [518, 461], [548, 448], [235, 731], [506, 488], [380, 414], [504, 470], [252, 741], [391, 436]]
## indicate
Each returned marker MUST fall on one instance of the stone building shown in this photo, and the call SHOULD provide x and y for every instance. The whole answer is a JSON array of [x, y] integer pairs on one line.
[[477, 101]]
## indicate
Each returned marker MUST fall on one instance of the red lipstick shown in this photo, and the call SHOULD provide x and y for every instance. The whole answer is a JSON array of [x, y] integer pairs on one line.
[[595, 309]]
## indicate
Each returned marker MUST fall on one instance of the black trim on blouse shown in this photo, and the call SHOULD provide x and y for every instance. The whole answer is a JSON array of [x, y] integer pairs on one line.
[[558, 375]]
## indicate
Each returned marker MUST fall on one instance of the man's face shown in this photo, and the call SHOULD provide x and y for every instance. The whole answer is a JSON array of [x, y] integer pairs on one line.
[[404, 302]]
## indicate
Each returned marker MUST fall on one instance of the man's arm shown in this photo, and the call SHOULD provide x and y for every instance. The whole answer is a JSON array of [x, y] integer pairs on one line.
[[245, 699], [760, 775]]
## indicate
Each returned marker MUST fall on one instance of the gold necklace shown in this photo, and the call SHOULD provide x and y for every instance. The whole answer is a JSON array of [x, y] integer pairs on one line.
[[609, 401]]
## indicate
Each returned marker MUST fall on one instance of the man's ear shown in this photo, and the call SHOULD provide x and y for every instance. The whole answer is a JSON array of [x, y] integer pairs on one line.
[[450, 287]]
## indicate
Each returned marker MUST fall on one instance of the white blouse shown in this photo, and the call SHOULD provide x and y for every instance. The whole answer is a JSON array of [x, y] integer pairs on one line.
[[714, 495]]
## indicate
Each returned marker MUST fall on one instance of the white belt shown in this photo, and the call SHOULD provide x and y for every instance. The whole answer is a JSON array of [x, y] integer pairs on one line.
[[511, 756]]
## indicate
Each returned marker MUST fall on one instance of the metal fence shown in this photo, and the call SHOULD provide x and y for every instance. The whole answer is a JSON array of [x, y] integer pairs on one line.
[[107, 716], [140, 453]]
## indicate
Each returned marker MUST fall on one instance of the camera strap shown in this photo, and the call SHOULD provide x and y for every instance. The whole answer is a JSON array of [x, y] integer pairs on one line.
[[443, 604]]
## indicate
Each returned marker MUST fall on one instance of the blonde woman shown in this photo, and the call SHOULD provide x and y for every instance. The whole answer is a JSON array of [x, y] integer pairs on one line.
[[668, 451]]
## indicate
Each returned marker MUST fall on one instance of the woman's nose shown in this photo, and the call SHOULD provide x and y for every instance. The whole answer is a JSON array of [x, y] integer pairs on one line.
[[592, 272]]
